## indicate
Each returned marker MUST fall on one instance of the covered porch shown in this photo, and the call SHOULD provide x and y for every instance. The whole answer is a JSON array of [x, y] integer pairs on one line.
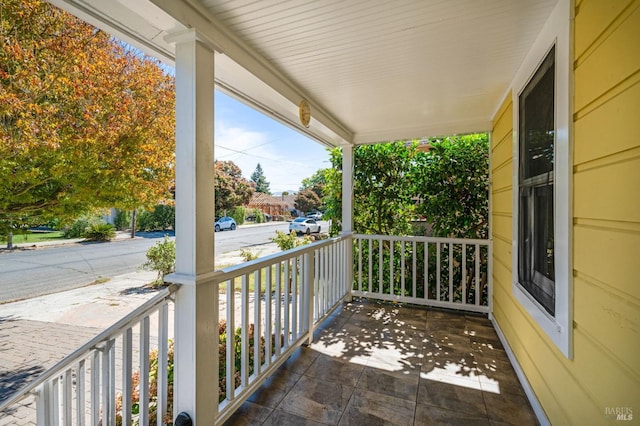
[[355, 329]]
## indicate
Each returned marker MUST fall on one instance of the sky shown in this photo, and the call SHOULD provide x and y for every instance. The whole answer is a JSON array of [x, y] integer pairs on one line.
[[248, 137]]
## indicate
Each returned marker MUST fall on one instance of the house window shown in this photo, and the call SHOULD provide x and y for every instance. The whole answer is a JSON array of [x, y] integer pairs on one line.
[[542, 260], [536, 269]]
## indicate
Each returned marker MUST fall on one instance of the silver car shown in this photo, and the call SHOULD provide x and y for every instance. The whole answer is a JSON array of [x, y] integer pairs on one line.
[[304, 225], [225, 222]]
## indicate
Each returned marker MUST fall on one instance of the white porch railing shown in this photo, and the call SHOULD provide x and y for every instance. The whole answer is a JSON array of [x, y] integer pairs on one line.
[[445, 272], [280, 299], [96, 384], [269, 307]]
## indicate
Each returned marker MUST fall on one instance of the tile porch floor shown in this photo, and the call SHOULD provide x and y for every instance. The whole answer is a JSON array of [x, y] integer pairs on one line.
[[379, 363]]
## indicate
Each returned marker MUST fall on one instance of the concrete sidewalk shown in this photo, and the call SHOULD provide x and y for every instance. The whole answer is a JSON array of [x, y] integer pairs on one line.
[[38, 332]]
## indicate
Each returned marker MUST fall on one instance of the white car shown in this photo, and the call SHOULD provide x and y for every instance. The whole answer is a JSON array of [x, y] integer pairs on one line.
[[304, 225], [315, 215]]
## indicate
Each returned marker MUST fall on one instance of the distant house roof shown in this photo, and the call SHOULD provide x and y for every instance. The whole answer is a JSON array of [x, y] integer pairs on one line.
[[261, 199]]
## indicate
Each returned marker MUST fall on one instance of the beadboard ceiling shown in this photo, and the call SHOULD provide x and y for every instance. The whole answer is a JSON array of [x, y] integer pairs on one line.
[[372, 70]]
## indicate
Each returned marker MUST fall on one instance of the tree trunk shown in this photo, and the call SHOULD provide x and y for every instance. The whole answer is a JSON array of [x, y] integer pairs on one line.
[[10, 240], [133, 223]]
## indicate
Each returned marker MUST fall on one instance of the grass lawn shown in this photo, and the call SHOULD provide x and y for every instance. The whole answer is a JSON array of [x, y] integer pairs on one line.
[[34, 237]]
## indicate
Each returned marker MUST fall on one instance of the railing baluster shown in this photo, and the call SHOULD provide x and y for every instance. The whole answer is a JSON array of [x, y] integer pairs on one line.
[[392, 249], [163, 362], [414, 272], [438, 271], [127, 372], [380, 267], [106, 383], [278, 307], [294, 297], [426, 270], [95, 389], [80, 392], [317, 276], [67, 408], [287, 304], [477, 287], [244, 327], [359, 264], [144, 371], [267, 316], [231, 384], [464, 273], [450, 272], [370, 274], [308, 284], [257, 321], [402, 266], [55, 401]]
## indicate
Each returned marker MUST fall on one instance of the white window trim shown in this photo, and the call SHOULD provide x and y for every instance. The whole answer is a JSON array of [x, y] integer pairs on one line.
[[557, 30]]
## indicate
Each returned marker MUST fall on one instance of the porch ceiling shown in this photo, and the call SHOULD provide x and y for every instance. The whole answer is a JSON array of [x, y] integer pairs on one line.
[[372, 70]]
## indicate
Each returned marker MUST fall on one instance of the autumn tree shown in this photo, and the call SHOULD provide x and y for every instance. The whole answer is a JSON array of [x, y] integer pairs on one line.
[[307, 200], [231, 189], [260, 180], [87, 122]]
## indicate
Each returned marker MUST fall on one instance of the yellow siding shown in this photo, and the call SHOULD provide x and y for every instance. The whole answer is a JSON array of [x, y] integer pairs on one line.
[[604, 371]]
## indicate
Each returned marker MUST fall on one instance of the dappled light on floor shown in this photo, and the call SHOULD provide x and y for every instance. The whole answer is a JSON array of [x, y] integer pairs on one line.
[[373, 363]]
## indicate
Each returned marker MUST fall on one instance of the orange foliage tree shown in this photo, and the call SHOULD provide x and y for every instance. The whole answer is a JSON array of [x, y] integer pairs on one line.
[[85, 121]]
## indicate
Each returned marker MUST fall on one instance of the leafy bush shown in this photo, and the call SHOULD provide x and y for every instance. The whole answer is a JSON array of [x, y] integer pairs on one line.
[[260, 217], [286, 241], [238, 214], [162, 217], [161, 258], [77, 229], [122, 220], [100, 232], [248, 255]]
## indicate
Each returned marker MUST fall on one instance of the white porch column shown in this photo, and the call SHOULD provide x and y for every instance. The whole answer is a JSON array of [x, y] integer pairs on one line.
[[196, 340], [347, 189], [347, 211]]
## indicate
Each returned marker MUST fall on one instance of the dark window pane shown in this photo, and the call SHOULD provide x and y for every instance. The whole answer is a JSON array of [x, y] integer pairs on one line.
[[536, 269], [537, 121], [543, 228]]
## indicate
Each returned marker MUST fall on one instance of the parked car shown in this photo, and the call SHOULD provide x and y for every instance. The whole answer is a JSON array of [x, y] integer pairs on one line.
[[315, 215], [304, 225], [225, 222]]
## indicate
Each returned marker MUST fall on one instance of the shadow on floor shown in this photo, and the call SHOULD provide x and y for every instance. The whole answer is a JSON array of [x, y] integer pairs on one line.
[[379, 363]]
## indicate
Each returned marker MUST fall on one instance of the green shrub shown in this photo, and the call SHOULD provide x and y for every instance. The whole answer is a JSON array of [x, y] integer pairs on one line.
[[165, 216], [122, 220], [238, 214], [161, 258], [260, 217], [100, 232], [248, 255], [286, 241], [77, 229], [161, 218]]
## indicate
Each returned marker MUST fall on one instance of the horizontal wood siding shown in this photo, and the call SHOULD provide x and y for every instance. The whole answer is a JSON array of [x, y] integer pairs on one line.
[[606, 234], [605, 372]]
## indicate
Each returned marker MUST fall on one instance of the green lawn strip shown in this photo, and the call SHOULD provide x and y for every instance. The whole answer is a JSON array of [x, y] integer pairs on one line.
[[34, 237]]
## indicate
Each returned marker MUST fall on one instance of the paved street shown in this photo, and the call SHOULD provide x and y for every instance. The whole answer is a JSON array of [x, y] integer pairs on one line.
[[29, 273]]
